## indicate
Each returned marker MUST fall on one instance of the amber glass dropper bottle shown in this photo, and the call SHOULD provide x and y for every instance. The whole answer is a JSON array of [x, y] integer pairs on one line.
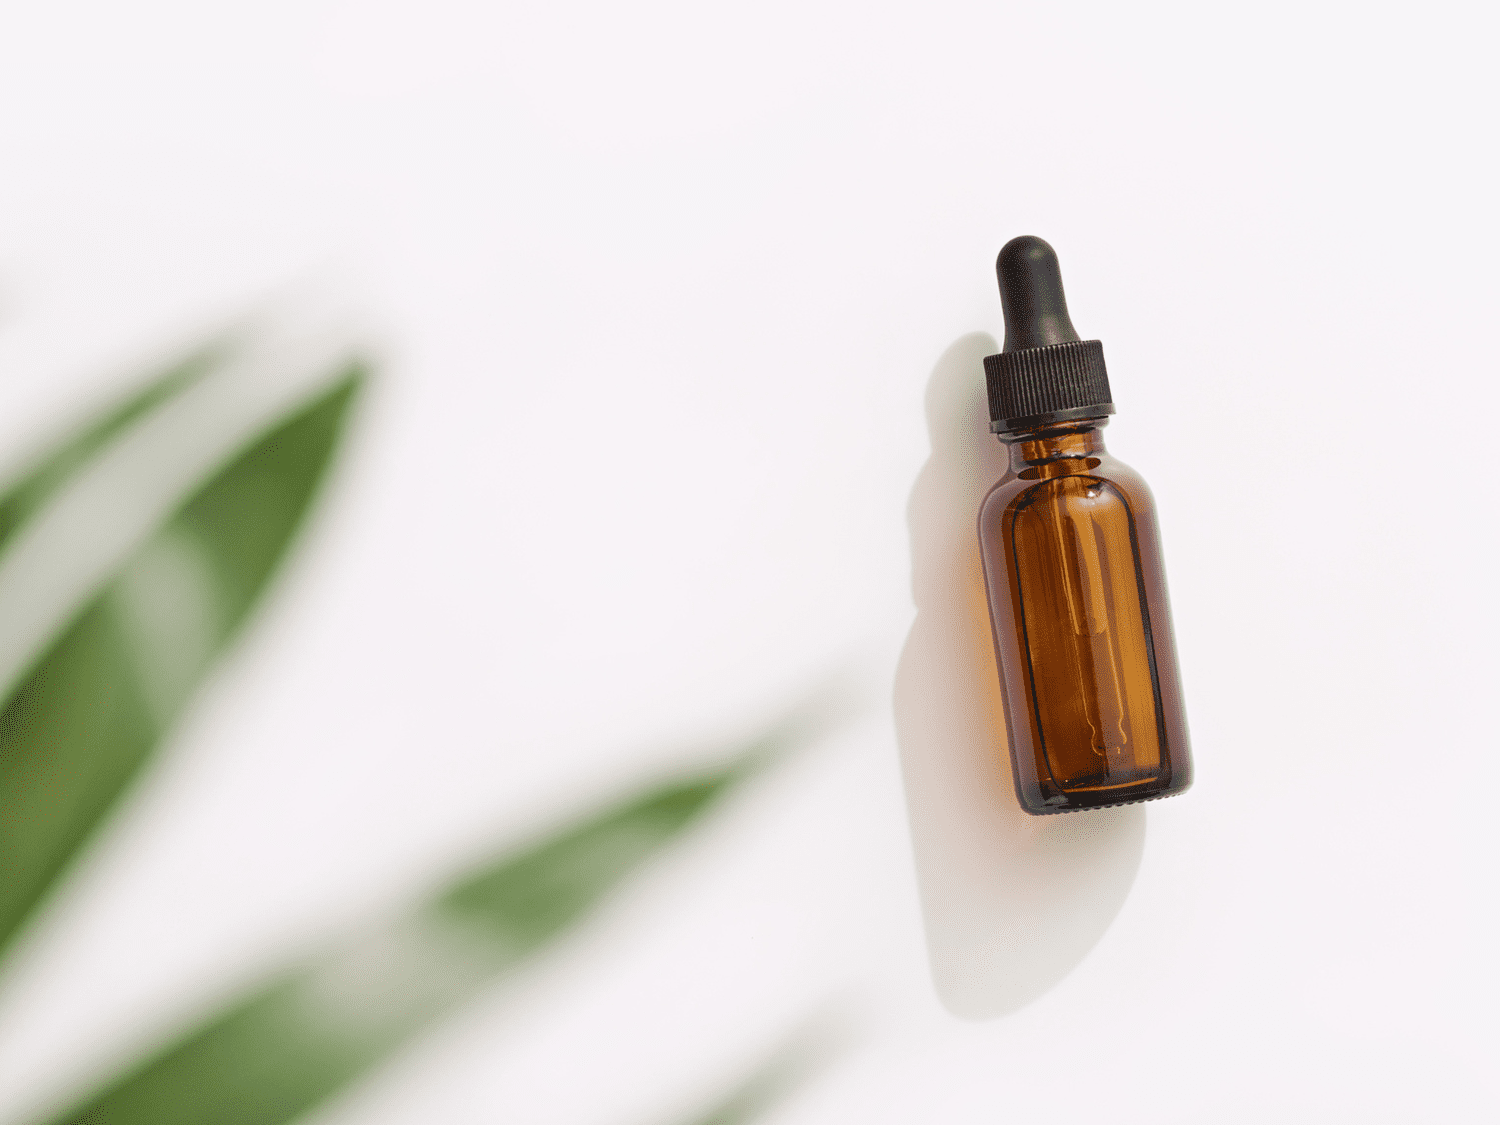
[[1073, 569]]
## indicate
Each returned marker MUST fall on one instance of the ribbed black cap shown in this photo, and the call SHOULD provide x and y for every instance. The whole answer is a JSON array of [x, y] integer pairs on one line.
[[1046, 373]]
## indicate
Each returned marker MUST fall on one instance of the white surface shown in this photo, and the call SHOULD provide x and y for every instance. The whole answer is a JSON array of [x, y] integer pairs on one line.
[[664, 286]]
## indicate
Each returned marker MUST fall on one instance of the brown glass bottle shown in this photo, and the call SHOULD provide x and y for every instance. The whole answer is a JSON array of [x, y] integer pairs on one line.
[[1073, 570]]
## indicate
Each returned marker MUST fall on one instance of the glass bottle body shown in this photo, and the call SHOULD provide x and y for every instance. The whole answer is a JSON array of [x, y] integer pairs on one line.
[[1082, 629]]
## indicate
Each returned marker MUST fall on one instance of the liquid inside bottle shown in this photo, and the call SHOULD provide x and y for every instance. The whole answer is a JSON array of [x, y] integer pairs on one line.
[[1088, 649]]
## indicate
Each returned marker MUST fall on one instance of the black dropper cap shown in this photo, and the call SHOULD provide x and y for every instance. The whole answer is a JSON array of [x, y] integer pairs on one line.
[[1046, 374]]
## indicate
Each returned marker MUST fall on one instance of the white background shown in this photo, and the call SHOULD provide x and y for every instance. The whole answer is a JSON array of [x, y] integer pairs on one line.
[[660, 287]]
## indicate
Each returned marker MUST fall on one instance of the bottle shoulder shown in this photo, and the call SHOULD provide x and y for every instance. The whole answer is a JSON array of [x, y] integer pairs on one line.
[[1014, 490]]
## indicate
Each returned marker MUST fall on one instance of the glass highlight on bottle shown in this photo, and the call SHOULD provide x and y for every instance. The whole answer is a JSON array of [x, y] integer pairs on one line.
[[1073, 570]]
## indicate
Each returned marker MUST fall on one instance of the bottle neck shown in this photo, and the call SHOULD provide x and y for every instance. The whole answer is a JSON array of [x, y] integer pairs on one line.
[[1035, 449]]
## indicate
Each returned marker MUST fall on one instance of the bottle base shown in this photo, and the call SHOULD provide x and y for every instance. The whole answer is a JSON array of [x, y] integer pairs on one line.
[[1049, 810]]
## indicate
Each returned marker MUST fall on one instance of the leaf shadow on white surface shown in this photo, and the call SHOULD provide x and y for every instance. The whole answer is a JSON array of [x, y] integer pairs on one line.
[[1012, 902]]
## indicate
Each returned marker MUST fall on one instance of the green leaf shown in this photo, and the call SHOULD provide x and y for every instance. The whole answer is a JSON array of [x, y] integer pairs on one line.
[[39, 482], [776, 1076], [91, 710], [300, 1038]]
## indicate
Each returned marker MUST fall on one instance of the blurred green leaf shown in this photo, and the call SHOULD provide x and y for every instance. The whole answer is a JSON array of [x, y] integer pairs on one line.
[[300, 1038], [776, 1076], [93, 707], [90, 711], [59, 464]]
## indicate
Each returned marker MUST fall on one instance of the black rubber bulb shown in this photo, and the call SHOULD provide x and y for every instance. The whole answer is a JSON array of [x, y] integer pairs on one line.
[[1031, 292]]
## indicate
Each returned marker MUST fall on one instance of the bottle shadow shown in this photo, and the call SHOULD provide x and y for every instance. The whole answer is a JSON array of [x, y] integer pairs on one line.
[[1012, 902]]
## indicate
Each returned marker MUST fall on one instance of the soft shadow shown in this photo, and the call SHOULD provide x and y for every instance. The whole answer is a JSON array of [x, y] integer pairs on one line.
[[1012, 902]]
